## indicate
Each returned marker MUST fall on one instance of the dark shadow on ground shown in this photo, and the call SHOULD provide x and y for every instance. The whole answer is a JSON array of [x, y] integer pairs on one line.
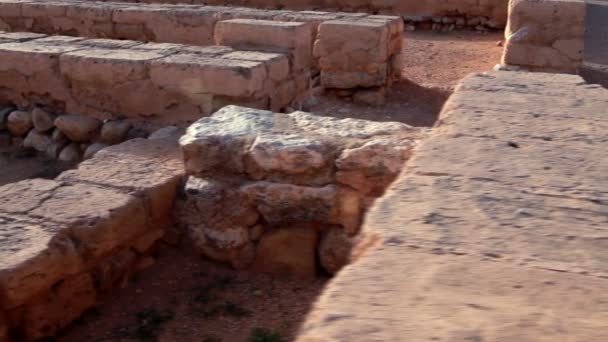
[[185, 298], [406, 102]]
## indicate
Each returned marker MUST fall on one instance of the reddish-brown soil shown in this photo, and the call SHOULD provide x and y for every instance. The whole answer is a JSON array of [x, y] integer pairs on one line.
[[187, 299]]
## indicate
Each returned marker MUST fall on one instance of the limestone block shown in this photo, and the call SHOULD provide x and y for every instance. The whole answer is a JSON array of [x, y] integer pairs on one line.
[[280, 203], [111, 270], [294, 37], [150, 169], [358, 43], [59, 308], [288, 251], [34, 256], [217, 216], [371, 167], [192, 75], [98, 218], [335, 249]]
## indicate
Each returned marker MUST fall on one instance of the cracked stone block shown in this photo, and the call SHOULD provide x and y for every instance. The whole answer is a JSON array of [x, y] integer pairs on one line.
[[545, 35], [34, 256], [99, 219], [151, 169]]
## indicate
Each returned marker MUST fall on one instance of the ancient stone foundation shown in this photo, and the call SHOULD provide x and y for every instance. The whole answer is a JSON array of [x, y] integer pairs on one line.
[[493, 10], [157, 82], [63, 242], [371, 59], [272, 191]]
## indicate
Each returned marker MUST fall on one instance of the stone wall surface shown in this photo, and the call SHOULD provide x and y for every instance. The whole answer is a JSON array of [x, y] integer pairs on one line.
[[159, 82], [302, 183], [495, 230], [495, 10], [206, 25], [545, 35], [65, 241]]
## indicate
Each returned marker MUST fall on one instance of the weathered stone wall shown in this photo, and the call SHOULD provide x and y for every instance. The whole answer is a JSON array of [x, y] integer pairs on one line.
[[156, 82], [65, 241], [270, 192], [545, 35], [495, 10], [374, 53]]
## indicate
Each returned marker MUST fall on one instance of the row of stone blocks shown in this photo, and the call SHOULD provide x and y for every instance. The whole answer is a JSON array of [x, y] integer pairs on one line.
[[350, 49], [495, 10], [66, 241], [163, 82]]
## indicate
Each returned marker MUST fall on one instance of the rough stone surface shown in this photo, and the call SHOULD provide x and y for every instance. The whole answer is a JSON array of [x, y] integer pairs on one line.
[[218, 217], [71, 153], [78, 128], [288, 252], [334, 249], [176, 83], [114, 132], [19, 122], [503, 240], [545, 35], [43, 121], [274, 146]]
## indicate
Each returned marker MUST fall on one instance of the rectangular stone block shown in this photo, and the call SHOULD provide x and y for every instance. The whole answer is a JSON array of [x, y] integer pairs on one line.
[[33, 257], [294, 37], [195, 75], [98, 218], [151, 169]]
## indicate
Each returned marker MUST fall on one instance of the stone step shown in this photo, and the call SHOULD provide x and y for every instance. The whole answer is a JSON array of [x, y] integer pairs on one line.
[[159, 82], [195, 25], [64, 241], [490, 10]]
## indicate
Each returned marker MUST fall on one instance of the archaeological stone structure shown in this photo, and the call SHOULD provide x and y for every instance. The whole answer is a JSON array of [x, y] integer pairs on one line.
[[183, 127]]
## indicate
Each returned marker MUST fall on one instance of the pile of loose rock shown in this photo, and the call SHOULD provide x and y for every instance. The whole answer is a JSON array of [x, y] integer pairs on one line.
[[450, 23], [277, 192], [66, 137]]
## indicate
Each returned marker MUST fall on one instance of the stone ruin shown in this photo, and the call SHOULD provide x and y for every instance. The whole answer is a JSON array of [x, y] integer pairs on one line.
[[252, 182]]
